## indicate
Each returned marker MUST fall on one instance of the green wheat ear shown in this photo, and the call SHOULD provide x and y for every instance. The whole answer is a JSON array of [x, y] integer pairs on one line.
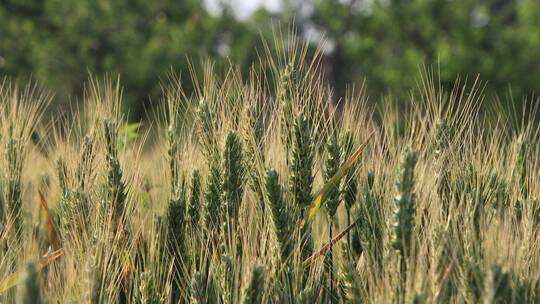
[[280, 215], [404, 205], [301, 180], [83, 172], [233, 176], [29, 292], [194, 207], [254, 292], [175, 223], [370, 229], [212, 197], [286, 102], [72, 208], [172, 149], [332, 164], [403, 217], [116, 188], [350, 184]]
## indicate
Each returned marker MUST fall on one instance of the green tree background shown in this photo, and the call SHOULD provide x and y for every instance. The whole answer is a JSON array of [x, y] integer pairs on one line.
[[58, 42]]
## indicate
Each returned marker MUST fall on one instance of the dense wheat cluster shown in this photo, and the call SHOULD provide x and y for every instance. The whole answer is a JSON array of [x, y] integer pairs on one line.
[[217, 201]]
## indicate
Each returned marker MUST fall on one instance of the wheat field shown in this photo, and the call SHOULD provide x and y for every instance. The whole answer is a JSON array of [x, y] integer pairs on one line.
[[266, 188]]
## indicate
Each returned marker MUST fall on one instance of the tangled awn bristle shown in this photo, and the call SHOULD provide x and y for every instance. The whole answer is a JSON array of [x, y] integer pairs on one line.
[[520, 169], [13, 192], [442, 138], [206, 134]]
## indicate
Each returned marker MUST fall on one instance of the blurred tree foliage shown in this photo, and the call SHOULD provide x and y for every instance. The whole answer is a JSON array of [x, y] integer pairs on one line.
[[388, 41], [384, 41], [59, 42]]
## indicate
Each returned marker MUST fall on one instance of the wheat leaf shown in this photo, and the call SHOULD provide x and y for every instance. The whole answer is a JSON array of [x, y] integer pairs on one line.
[[53, 235], [320, 196], [13, 279]]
